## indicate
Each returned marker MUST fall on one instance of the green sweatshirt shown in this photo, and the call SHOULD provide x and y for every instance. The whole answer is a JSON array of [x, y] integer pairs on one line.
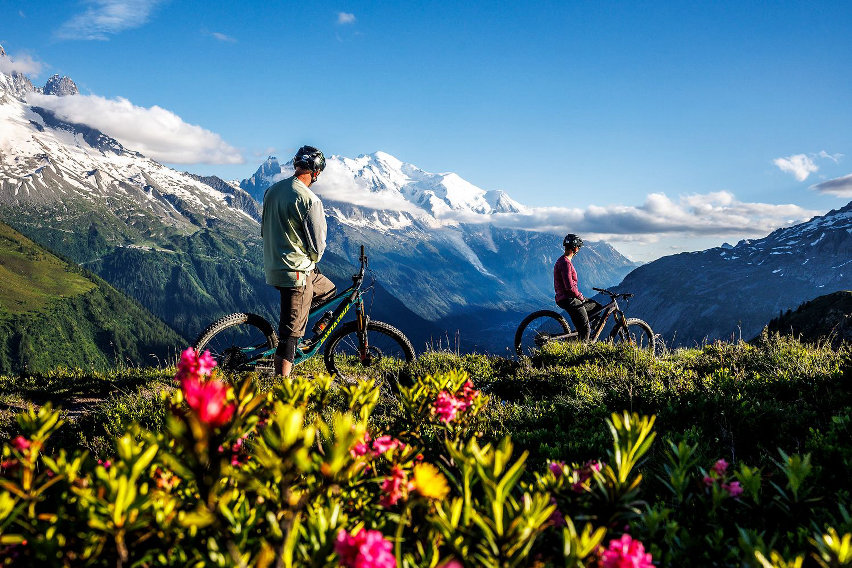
[[293, 230]]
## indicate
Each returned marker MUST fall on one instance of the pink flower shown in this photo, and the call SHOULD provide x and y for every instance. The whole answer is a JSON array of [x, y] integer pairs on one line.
[[709, 481], [193, 365], [361, 448], [364, 549], [720, 467], [394, 487], [209, 400], [556, 468], [733, 488], [106, 464], [21, 444], [626, 553], [383, 444], [446, 406], [465, 396]]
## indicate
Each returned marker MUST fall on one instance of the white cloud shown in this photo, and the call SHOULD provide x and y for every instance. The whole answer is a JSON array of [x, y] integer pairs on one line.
[[223, 37], [23, 64], [717, 214], [841, 187], [345, 18], [105, 17], [833, 157], [336, 183], [155, 132], [800, 165]]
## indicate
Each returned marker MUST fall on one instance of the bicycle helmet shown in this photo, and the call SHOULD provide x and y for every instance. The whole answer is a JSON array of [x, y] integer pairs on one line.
[[311, 159], [572, 240]]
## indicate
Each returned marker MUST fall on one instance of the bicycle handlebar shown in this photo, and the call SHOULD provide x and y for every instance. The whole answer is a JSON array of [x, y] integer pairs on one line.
[[613, 295]]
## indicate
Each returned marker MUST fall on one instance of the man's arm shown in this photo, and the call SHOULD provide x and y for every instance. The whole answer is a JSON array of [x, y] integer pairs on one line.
[[315, 228]]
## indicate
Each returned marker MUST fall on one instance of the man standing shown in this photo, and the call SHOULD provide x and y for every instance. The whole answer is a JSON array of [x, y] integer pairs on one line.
[[568, 295], [294, 230]]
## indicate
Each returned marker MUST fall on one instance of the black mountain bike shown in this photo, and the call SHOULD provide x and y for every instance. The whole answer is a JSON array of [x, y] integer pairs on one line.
[[547, 325], [247, 342]]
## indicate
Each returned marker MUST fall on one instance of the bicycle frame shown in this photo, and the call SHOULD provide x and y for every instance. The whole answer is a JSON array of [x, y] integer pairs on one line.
[[598, 322], [341, 304]]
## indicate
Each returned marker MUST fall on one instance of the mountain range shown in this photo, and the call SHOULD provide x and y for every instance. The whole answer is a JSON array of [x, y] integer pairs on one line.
[[733, 291]]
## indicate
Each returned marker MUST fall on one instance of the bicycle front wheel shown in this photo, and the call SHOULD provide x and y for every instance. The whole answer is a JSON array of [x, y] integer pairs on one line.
[[239, 342], [387, 351], [638, 333], [537, 329]]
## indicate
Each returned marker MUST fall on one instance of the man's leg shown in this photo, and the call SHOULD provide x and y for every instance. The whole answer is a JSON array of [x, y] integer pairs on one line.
[[295, 305], [580, 319], [323, 289]]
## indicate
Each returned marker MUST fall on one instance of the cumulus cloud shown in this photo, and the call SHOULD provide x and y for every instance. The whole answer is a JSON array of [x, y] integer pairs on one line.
[[800, 165], [103, 18], [23, 64], [717, 214], [155, 132], [345, 18], [337, 184], [841, 187]]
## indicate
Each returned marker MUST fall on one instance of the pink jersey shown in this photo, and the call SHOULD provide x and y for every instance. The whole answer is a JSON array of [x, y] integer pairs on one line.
[[565, 280]]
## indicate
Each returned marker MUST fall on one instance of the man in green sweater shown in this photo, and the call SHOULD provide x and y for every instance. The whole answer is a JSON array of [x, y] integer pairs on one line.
[[294, 230]]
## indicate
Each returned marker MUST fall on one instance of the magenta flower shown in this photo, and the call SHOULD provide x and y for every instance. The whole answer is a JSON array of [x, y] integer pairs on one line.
[[209, 400], [361, 448], [383, 444], [733, 488], [709, 481], [720, 467], [364, 549], [626, 553], [193, 365], [394, 487], [556, 468], [21, 444], [446, 406]]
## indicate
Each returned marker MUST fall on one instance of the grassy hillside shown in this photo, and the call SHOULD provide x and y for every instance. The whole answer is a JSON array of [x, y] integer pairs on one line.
[[52, 313], [826, 318]]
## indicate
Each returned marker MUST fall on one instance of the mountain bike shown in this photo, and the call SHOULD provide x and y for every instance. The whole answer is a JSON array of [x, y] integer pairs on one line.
[[247, 342], [543, 326]]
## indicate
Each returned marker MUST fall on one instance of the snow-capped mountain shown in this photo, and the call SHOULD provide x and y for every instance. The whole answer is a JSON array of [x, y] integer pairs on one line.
[[188, 247], [727, 291], [381, 181]]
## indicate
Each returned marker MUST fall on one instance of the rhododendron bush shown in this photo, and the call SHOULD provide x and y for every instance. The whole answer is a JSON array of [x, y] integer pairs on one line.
[[240, 477]]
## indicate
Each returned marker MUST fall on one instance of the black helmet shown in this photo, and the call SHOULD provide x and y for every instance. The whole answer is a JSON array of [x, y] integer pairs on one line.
[[572, 240], [309, 158]]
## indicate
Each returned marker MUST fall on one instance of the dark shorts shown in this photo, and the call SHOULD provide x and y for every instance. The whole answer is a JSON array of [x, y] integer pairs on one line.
[[296, 304]]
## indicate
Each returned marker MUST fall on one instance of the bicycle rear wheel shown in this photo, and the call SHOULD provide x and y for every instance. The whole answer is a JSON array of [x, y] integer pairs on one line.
[[387, 352], [537, 329], [637, 332], [237, 342]]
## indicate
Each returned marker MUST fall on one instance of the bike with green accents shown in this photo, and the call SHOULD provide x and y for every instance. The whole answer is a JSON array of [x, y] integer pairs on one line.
[[247, 342]]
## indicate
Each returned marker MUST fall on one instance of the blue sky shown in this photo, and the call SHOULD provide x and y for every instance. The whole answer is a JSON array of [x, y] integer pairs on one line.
[[739, 111]]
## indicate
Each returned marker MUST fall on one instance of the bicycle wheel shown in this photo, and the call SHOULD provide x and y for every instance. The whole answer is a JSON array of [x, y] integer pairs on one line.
[[637, 332], [387, 350], [237, 341], [537, 329]]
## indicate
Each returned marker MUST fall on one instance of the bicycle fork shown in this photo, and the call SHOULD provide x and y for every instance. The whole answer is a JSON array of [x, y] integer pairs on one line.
[[361, 318]]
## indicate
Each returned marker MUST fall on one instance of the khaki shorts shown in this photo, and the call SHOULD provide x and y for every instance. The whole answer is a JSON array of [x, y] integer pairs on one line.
[[296, 303]]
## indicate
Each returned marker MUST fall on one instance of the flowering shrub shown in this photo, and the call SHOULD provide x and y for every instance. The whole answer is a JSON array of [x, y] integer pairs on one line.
[[239, 477]]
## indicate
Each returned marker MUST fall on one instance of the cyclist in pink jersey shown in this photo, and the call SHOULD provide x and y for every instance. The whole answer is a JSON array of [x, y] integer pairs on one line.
[[565, 284]]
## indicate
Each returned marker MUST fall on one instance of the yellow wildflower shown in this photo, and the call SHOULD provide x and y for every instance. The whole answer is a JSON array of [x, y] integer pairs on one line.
[[430, 482]]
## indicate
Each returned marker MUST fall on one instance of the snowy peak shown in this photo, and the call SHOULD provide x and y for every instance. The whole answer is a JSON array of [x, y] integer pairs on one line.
[[60, 86]]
